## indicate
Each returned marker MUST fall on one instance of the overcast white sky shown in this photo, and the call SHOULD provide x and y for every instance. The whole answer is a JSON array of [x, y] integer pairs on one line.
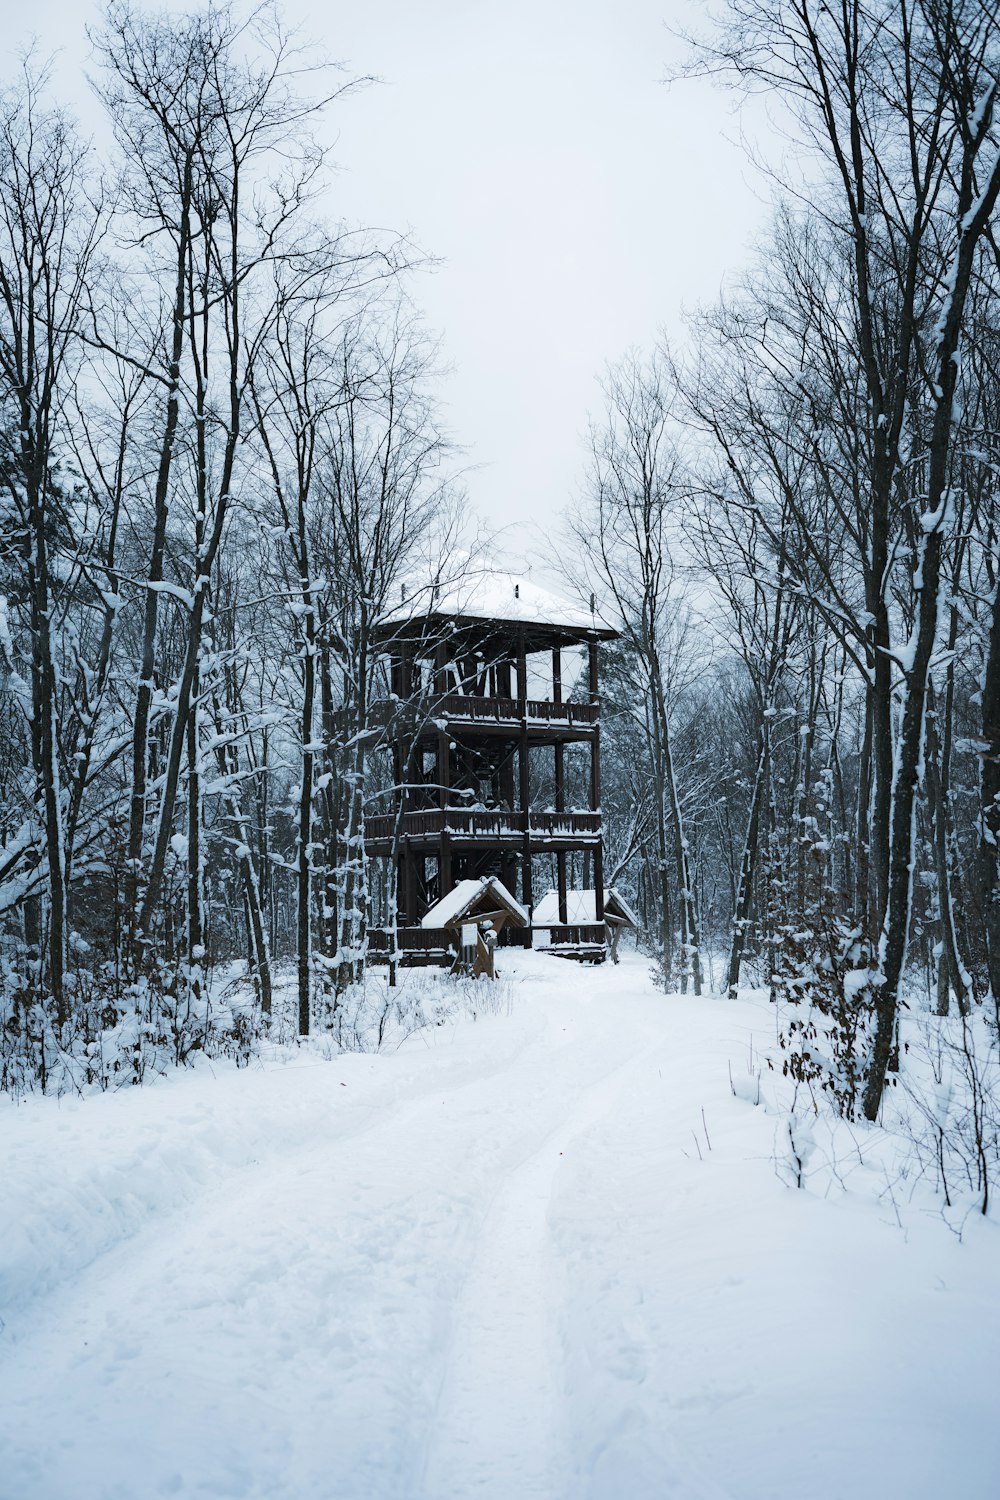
[[575, 202]]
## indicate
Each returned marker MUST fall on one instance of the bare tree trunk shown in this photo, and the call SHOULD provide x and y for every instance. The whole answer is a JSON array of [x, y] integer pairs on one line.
[[691, 956], [305, 829], [972, 218], [43, 692], [988, 852], [195, 905], [748, 863], [144, 692], [938, 789], [260, 947]]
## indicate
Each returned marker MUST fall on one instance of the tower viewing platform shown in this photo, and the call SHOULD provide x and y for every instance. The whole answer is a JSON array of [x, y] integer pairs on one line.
[[477, 677]]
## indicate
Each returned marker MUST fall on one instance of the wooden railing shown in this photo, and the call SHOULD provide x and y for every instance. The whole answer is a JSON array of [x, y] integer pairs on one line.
[[458, 706], [494, 824], [558, 713], [577, 935], [410, 940]]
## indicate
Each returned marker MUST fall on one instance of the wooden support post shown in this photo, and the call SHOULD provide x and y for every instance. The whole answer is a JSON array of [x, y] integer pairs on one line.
[[595, 744], [445, 881], [507, 777], [443, 767], [595, 771], [441, 669], [522, 694], [443, 762], [410, 887], [595, 786], [444, 782], [526, 895], [400, 889], [398, 770], [560, 768]]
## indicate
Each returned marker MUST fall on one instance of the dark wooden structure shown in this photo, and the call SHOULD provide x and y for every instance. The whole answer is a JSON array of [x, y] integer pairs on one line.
[[476, 913], [581, 908], [477, 683]]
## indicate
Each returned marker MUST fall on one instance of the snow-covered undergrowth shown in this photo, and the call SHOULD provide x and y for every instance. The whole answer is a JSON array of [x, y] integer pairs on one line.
[[117, 1038], [114, 1036], [547, 1252], [939, 1126]]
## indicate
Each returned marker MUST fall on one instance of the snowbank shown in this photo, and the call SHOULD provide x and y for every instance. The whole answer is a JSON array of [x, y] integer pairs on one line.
[[546, 1252]]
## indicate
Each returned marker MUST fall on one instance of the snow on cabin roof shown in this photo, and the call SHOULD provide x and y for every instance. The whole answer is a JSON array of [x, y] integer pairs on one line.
[[496, 596], [581, 908], [467, 893]]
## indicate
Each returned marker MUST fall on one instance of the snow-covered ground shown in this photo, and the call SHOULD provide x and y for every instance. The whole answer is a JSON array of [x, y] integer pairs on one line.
[[542, 1253]]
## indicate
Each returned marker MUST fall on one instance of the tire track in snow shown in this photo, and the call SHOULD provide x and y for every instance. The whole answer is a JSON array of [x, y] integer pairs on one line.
[[389, 1202], [499, 1428], [80, 1242]]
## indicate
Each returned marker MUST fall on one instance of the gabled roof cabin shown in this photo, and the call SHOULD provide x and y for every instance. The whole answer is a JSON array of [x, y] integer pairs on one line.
[[581, 911]]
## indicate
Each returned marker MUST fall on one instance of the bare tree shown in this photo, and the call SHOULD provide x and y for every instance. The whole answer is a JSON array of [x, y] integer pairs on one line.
[[625, 533], [48, 232], [897, 100]]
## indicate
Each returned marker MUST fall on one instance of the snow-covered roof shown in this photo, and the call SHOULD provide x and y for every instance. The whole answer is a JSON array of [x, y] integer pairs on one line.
[[581, 908], [496, 596], [468, 893]]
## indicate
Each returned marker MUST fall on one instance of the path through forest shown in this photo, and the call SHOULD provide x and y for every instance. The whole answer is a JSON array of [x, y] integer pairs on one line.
[[543, 1253]]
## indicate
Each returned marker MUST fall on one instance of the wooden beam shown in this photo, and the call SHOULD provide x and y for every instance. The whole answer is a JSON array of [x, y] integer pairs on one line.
[[595, 785], [595, 744], [595, 772], [526, 894], [410, 883], [561, 878], [522, 693], [440, 669], [445, 881], [599, 881], [507, 784], [443, 766], [561, 886]]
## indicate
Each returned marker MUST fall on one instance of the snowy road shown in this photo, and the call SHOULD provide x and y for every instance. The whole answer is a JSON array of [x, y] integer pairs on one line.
[[542, 1254]]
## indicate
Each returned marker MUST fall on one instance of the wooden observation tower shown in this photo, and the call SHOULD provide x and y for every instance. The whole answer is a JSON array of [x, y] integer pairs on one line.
[[478, 705]]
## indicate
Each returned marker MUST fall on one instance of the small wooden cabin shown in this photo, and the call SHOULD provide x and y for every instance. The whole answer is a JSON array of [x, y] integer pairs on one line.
[[474, 913], [564, 937]]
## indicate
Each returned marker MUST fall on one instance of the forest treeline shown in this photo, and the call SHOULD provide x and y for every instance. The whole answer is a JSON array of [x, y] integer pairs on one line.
[[222, 462], [220, 453], [796, 521]]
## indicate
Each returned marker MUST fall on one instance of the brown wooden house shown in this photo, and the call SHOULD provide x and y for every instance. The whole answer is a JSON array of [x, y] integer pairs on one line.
[[477, 680]]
